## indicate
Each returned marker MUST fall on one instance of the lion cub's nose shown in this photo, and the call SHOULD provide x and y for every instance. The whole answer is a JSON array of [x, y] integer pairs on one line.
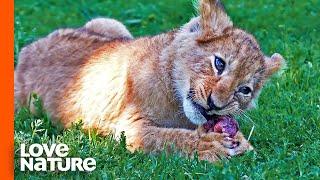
[[212, 105]]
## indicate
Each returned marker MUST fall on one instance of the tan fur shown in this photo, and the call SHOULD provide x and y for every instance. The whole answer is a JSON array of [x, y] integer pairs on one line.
[[99, 74], [213, 20], [108, 28]]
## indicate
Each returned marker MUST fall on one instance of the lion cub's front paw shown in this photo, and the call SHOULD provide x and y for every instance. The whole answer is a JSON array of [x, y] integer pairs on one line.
[[243, 144], [215, 146]]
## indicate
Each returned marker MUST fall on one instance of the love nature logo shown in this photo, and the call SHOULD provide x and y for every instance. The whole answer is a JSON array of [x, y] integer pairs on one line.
[[41, 157]]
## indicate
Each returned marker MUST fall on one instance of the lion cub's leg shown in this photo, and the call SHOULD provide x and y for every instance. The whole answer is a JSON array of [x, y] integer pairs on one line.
[[108, 28], [209, 146]]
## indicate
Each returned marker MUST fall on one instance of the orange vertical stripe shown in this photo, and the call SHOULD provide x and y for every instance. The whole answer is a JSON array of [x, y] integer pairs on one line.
[[6, 90]]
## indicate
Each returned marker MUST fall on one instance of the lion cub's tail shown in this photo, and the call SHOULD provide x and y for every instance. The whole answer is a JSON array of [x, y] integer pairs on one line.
[[108, 28]]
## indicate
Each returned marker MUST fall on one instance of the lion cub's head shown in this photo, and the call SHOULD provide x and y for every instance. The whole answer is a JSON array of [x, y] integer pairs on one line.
[[218, 68]]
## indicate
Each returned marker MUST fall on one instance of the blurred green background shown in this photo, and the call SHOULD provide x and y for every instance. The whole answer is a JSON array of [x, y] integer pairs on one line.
[[287, 119]]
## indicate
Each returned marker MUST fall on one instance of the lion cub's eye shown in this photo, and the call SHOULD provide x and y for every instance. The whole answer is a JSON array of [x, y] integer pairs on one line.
[[245, 90], [219, 64]]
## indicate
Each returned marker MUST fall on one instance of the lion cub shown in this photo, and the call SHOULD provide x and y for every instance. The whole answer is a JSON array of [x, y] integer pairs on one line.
[[157, 90]]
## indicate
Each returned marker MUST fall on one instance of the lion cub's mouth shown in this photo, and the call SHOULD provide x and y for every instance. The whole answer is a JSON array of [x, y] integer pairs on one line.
[[222, 124], [227, 121], [204, 112]]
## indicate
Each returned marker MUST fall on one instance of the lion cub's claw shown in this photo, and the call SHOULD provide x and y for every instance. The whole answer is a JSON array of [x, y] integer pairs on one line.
[[243, 144]]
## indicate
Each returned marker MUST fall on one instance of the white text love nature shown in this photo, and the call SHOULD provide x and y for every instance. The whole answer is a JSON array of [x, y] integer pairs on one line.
[[41, 157]]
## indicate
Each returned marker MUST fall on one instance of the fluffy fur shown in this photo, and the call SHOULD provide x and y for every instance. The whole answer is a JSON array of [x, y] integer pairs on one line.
[[148, 87]]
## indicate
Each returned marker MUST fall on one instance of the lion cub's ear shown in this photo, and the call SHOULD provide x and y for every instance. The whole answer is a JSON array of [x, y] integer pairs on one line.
[[213, 20], [274, 64]]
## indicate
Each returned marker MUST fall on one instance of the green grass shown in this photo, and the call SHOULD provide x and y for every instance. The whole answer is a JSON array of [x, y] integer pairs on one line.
[[287, 118]]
